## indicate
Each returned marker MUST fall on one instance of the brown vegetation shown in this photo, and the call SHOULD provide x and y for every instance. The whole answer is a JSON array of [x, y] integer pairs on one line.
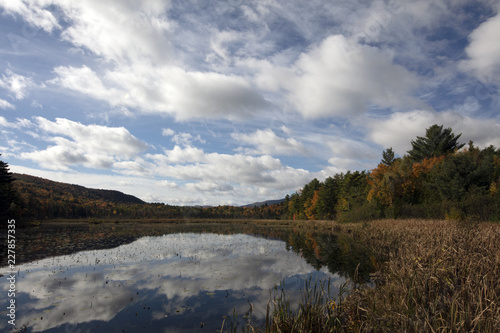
[[434, 276]]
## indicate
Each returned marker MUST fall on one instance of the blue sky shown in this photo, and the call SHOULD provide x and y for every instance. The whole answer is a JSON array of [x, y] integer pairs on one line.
[[232, 102]]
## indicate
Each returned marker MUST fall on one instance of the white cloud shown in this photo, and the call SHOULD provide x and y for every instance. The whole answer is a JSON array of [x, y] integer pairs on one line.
[[5, 105], [182, 138], [90, 145], [268, 143], [119, 31], [400, 128], [186, 139], [179, 155], [242, 171], [114, 30], [86, 81], [16, 84], [168, 90], [280, 65], [342, 78], [33, 12], [484, 51], [167, 132], [4, 122], [20, 123]]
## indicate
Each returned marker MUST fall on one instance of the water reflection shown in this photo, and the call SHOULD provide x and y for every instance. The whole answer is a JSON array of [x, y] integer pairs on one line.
[[180, 282]]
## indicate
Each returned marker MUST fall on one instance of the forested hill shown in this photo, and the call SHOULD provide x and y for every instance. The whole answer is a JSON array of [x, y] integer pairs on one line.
[[42, 198], [40, 187]]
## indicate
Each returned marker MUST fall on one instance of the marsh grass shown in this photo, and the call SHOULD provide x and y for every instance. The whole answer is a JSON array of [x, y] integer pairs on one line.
[[319, 310], [433, 276], [438, 276]]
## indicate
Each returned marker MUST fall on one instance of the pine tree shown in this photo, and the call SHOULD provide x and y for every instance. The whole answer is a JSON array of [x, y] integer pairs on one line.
[[388, 157], [437, 142]]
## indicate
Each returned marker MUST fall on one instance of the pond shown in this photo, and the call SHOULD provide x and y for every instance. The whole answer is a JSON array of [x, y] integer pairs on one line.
[[180, 281]]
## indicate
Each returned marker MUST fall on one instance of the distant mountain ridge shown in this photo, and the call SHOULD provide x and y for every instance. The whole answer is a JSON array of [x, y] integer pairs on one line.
[[56, 190], [263, 203]]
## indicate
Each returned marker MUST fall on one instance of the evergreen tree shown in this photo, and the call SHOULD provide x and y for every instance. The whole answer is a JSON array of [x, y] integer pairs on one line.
[[7, 191], [388, 157], [328, 196], [437, 142]]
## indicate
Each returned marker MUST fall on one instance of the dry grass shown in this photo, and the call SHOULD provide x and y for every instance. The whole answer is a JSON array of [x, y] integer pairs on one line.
[[439, 276], [433, 276]]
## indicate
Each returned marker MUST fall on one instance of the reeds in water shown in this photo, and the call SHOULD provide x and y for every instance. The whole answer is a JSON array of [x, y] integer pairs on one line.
[[319, 310], [434, 276], [439, 276]]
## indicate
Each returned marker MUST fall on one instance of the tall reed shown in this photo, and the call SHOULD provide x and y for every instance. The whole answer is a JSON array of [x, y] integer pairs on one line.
[[437, 276], [433, 276], [319, 310]]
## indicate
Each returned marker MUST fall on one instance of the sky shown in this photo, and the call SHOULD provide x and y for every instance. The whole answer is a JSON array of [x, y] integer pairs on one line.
[[232, 102]]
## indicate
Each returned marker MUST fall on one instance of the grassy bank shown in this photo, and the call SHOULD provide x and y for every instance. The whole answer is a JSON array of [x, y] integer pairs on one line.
[[433, 276]]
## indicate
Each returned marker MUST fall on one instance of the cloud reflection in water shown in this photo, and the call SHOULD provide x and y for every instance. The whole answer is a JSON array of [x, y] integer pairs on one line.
[[168, 283]]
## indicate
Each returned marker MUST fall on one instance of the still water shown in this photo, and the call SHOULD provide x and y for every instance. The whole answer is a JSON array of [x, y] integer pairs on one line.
[[178, 282]]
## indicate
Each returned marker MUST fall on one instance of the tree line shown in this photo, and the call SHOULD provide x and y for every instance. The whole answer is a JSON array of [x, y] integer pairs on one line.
[[435, 179]]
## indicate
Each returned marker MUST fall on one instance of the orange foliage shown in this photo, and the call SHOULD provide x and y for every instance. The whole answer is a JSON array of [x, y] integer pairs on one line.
[[375, 181], [390, 182], [310, 206], [419, 170]]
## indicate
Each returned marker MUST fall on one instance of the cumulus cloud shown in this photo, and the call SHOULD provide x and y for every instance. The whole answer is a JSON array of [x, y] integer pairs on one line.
[[337, 78], [268, 143], [90, 145], [191, 163], [342, 78], [168, 90], [86, 81], [484, 51], [179, 155], [218, 171], [400, 128]]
